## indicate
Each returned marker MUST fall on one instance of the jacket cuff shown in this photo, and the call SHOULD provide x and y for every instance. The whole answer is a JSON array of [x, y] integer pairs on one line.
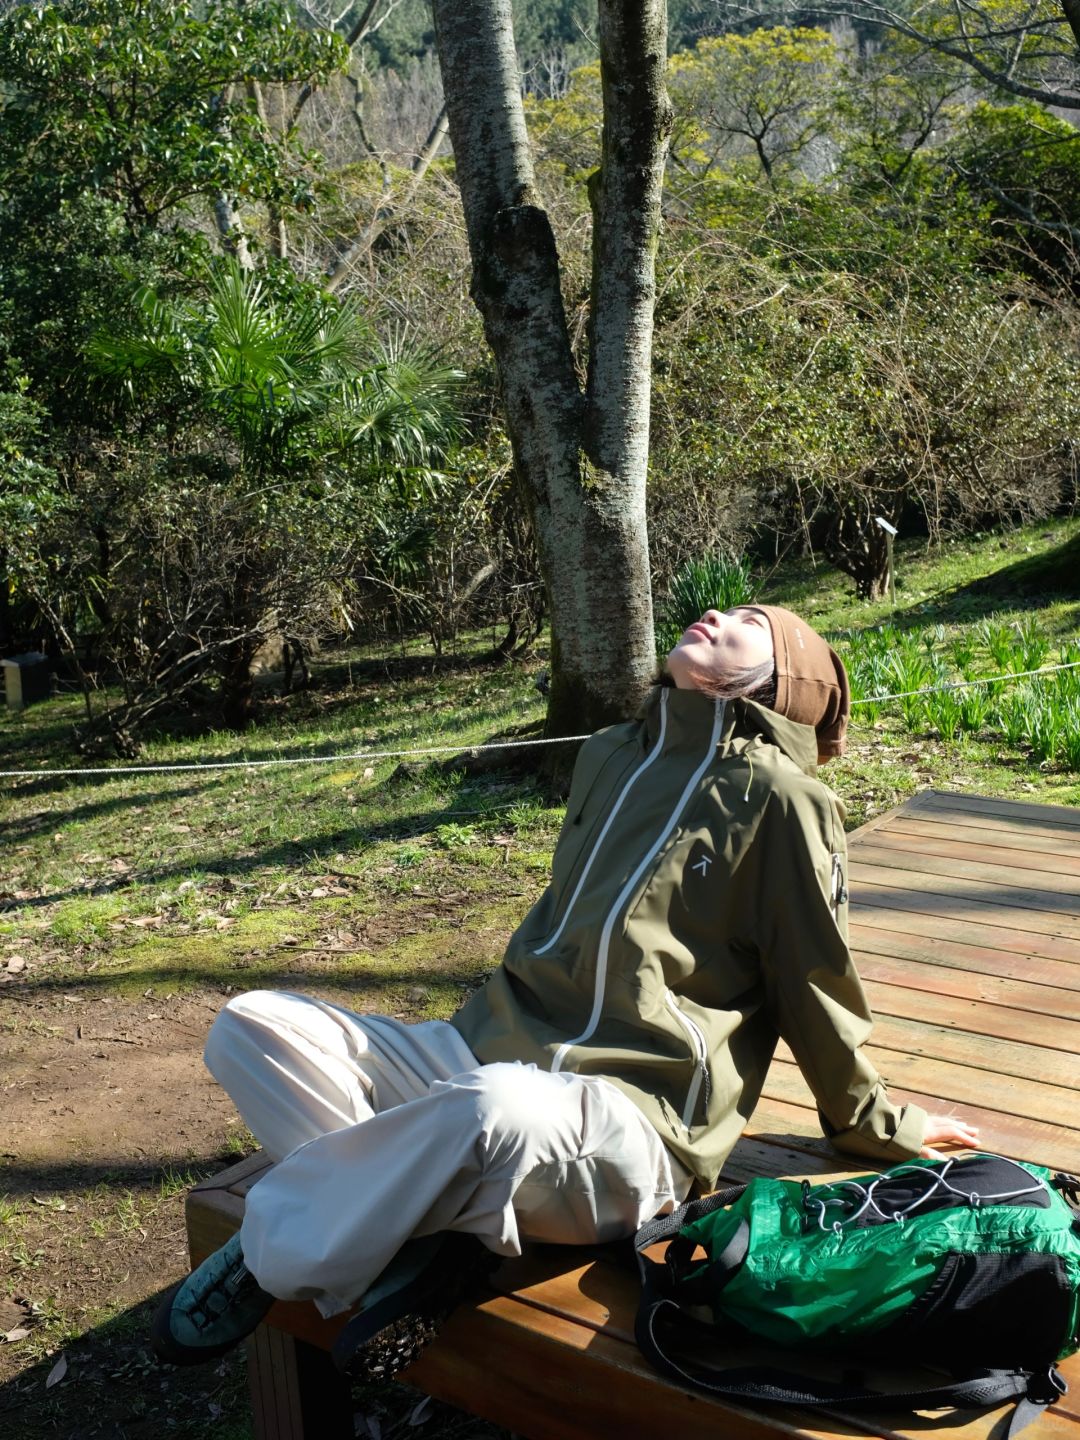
[[902, 1139]]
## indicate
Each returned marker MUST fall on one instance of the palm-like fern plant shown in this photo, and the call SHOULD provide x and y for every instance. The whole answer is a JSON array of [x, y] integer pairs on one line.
[[298, 383], [291, 432]]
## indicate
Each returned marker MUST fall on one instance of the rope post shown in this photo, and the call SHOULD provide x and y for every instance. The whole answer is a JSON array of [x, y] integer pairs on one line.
[[890, 531]]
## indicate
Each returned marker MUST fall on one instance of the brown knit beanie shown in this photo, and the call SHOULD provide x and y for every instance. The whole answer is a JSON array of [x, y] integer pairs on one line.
[[811, 682]]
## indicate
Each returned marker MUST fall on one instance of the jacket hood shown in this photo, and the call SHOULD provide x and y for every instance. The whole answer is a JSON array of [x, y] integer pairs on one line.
[[811, 682], [690, 716]]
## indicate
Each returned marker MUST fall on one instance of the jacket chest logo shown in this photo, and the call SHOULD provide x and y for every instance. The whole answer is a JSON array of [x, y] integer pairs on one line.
[[699, 862]]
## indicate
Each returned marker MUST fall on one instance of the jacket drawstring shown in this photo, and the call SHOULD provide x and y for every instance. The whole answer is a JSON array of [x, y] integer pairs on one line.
[[750, 780]]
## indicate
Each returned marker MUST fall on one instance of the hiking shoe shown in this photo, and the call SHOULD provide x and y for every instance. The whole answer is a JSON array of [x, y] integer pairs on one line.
[[405, 1307], [211, 1311]]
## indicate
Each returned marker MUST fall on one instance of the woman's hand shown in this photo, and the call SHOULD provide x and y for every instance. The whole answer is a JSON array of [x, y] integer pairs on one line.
[[946, 1130]]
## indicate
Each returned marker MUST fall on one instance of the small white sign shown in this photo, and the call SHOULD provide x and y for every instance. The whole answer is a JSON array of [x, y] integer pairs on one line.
[[880, 520]]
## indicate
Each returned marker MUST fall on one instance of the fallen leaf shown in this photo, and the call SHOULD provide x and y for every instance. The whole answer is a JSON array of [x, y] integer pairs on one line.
[[15, 965], [19, 1333], [421, 1412], [319, 893], [57, 1373], [146, 922]]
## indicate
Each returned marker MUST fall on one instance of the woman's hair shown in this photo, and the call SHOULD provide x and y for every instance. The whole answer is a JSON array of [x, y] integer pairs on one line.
[[751, 682]]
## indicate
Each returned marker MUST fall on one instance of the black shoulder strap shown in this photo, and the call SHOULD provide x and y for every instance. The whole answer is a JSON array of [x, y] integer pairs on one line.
[[657, 1279], [761, 1384], [666, 1227]]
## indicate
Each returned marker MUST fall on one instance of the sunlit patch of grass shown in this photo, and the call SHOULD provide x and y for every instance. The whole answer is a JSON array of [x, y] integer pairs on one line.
[[83, 920], [238, 1144]]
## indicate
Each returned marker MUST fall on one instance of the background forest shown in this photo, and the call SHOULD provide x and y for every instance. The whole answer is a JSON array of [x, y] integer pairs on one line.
[[245, 398]]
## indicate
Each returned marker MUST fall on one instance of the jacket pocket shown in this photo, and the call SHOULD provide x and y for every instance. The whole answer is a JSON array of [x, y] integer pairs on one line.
[[699, 1054]]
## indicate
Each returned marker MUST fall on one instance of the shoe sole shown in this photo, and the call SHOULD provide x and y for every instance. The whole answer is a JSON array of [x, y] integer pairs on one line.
[[171, 1351]]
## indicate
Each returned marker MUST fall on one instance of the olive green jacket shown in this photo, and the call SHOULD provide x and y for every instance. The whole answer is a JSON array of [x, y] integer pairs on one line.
[[697, 911]]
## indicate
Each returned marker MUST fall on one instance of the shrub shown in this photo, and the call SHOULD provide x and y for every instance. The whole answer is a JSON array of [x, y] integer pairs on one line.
[[711, 582]]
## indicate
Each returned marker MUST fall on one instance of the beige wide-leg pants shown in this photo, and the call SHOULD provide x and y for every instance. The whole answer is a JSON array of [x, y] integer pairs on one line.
[[385, 1130]]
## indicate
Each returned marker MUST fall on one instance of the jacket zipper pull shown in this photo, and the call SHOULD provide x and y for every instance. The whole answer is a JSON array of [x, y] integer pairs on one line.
[[838, 890]]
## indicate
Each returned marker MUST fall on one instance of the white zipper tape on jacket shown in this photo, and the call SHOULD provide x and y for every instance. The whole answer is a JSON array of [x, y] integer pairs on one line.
[[698, 1041], [634, 778], [628, 889]]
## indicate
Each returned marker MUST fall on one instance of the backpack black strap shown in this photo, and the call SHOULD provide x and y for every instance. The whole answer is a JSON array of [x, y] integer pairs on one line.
[[657, 1278], [666, 1227], [761, 1384]]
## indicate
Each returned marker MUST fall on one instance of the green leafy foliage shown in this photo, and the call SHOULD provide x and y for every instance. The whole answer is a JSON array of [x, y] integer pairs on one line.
[[297, 380], [146, 104], [1041, 715], [710, 582]]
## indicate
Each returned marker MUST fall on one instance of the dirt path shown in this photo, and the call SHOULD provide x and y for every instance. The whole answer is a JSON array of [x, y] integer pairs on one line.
[[106, 1117], [100, 1083]]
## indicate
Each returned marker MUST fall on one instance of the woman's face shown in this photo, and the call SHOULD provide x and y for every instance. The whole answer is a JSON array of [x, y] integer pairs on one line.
[[719, 646]]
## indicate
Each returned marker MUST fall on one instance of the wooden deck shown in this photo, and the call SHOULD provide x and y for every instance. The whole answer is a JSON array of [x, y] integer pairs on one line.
[[965, 922], [965, 926]]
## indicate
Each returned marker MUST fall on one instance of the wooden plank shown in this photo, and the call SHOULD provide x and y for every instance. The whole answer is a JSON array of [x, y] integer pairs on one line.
[[602, 1295], [794, 1123], [964, 900], [296, 1393], [775, 1157], [992, 884], [1054, 872], [1002, 847], [1038, 833], [1030, 973], [965, 985], [605, 1388], [1004, 1060], [1014, 812], [599, 1386], [564, 1331], [212, 1217], [1038, 1030], [1025, 1119], [936, 917]]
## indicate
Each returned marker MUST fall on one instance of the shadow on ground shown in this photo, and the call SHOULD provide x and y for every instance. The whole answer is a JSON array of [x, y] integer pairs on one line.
[[112, 1388]]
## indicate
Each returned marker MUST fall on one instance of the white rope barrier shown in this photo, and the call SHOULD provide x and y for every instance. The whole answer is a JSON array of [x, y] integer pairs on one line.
[[462, 749], [964, 684]]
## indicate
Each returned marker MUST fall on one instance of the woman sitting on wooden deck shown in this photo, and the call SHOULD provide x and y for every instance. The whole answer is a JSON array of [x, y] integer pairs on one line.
[[696, 913]]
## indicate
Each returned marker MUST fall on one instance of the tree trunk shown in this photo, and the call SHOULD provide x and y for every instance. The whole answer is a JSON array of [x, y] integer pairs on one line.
[[581, 455], [857, 546], [238, 684]]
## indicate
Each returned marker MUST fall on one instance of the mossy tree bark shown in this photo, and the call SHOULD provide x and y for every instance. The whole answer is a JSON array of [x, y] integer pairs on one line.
[[580, 450]]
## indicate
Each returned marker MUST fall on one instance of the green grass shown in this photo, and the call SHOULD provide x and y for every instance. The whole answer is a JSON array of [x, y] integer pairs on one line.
[[364, 879]]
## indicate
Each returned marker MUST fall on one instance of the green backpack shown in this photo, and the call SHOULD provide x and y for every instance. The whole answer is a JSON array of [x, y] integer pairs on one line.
[[971, 1265]]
